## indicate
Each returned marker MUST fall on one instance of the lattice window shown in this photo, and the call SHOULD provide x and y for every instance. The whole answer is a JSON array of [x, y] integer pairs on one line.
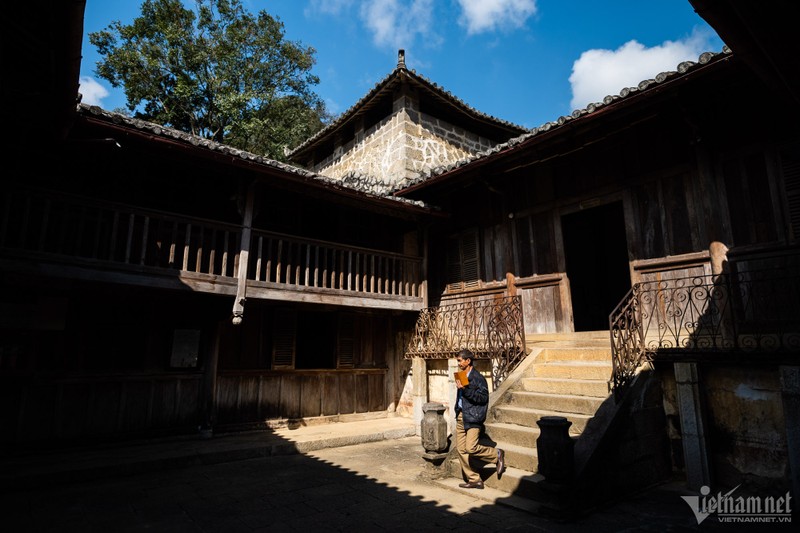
[[790, 164], [463, 260], [284, 330], [345, 343]]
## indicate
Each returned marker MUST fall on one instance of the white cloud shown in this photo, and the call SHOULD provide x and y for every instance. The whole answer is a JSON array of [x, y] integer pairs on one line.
[[93, 93], [599, 73], [488, 15], [396, 24]]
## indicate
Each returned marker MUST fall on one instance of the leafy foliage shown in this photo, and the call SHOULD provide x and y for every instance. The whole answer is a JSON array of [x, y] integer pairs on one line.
[[218, 72]]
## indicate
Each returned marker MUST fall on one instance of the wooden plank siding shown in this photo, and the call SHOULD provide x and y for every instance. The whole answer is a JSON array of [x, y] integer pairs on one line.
[[252, 398], [107, 407]]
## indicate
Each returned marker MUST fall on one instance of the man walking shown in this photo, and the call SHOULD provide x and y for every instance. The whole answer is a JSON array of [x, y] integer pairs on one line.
[[472, 402]]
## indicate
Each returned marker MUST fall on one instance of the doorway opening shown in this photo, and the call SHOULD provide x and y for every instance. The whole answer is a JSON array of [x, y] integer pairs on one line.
[[596, 254]]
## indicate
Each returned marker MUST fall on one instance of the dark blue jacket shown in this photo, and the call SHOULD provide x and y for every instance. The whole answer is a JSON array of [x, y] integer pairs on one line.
[[474, 400]]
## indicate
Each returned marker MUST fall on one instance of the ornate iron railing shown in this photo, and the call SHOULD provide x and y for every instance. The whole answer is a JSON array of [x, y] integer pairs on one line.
[[491, 328], [755, 311]]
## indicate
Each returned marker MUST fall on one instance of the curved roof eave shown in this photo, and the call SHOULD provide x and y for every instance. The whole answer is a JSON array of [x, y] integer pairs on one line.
[[271, 166], [436, 175]]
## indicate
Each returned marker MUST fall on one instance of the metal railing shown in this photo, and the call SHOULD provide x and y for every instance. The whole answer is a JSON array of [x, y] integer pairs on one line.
[[69, 228], [490, 328], [756, 311]]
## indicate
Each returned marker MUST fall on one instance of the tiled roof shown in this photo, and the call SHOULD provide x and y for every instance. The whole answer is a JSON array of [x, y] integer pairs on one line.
[[412, 75], [610, 100], [360, 186]]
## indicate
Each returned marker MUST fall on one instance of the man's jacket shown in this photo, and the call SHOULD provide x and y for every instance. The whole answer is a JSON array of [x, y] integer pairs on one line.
[[474, 400]]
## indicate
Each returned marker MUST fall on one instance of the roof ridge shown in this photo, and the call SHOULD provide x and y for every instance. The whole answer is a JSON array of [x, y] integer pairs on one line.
[[400, 69], [624, 93]]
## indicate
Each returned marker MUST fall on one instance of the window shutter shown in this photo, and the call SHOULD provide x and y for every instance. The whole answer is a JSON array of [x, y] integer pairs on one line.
[[469, 258], [284, 328], [345, 344], [790, 163], [463, 266]]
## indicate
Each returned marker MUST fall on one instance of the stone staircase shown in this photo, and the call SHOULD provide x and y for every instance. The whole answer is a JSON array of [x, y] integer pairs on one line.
[[564, 375]]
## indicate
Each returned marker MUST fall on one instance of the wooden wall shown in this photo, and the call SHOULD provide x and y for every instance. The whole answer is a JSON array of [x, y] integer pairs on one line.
[[41, 413], [253, 398]]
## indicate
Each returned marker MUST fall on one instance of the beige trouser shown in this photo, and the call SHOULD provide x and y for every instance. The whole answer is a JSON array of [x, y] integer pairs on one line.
[[469, 448]]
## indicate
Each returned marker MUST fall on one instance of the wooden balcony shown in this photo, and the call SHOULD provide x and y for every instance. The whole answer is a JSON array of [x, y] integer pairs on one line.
[[75, 237]]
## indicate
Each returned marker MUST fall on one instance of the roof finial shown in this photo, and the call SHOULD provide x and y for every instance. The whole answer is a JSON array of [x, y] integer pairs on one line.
[[401, 58]]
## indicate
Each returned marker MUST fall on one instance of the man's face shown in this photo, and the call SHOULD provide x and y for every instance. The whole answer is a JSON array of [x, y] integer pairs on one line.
[[462, 363]]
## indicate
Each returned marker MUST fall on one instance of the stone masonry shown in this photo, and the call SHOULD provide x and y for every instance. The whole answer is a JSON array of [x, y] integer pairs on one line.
[[401, 147]]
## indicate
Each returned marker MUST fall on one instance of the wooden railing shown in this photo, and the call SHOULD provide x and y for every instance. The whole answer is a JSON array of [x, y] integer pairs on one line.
[[56, 226], [288, 260]]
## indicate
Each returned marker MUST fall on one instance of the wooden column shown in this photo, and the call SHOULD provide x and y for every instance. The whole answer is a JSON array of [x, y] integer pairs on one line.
[[244, 256], [208, 405]]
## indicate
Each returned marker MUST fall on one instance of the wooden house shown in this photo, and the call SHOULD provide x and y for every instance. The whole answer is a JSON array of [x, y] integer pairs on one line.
[[667, 216], [153, 282], [156, 283]]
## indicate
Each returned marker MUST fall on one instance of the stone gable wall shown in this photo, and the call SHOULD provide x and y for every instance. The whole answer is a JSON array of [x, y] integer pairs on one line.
[[402, 147]]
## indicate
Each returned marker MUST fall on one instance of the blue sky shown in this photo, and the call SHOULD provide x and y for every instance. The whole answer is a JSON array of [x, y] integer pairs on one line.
[[524, 61]]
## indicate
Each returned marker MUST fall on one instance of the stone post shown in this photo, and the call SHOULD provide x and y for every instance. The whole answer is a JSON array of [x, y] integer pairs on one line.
[[693, 427], [790, 393], [555, 449], [419, 388]]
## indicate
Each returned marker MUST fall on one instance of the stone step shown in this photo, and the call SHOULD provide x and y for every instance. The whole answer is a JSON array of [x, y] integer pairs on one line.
[[597, 388], [513, 434], [573, 370], [561, 403], [528, 417], [517, 481], [518, 456], [576, 354], [522, 457], [492, 495], [598, 339]]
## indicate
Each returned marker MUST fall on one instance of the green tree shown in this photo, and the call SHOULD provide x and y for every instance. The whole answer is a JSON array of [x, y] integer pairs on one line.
[[217, 72]]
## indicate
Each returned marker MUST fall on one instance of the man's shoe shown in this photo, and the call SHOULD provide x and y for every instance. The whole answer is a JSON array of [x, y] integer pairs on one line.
[[501, 462], [472, 485]]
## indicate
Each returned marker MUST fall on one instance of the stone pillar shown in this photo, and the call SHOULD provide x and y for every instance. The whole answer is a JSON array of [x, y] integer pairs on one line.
[[693, 426], [452, 393], [434, 428], [790, 393], [555, 449], [419, 389], [435, 441]]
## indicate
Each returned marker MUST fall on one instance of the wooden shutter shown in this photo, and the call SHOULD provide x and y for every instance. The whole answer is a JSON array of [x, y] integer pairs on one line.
[[463, 266], [345, 342], [790, 163], [284, 332]]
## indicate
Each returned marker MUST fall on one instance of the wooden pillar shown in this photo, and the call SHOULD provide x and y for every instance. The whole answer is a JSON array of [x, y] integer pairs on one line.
[[423, 287], [208, 405], [511, 284], [718, 255], [693, 426], [244, 257]]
